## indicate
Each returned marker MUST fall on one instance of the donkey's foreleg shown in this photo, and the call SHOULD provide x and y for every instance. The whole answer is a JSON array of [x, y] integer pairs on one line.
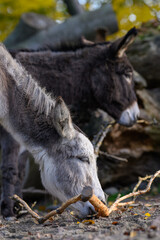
[[9, 166], [22, 160]]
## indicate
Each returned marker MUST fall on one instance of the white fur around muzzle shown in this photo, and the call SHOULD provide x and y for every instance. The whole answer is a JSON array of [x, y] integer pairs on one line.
[[130, 115]]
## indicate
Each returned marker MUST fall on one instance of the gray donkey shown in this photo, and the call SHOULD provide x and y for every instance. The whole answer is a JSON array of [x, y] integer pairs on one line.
[[44, 126]]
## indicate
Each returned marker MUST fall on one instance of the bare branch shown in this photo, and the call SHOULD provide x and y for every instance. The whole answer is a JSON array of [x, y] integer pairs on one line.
[[134, 194], [150, 123], [98, 139], [25, 205], [112, 157], [140, 181]]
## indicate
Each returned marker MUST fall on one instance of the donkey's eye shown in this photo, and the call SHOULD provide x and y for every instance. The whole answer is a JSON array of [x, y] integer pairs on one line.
[[83, 159], [128, 77], [128, 74]]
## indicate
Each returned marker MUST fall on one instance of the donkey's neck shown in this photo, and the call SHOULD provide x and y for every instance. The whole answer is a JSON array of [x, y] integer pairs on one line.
[[30, 110]]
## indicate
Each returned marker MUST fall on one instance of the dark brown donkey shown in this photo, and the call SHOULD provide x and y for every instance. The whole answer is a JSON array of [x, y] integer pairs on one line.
[[90, 76]]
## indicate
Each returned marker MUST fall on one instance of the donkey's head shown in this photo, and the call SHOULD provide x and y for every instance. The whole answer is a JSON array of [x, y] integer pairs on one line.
[[72, 163], [112, 83]]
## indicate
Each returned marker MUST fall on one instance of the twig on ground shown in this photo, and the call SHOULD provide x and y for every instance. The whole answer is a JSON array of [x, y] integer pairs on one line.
[[87, 195], [140, 180], [134, 193], [25, 205], [60, 209], [49, 215]]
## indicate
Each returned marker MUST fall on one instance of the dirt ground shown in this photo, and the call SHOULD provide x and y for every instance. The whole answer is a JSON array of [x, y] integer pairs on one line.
[[137, 222]]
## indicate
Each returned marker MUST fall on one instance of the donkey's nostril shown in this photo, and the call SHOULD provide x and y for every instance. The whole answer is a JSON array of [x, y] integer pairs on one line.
[[103, 202], [136, 117]]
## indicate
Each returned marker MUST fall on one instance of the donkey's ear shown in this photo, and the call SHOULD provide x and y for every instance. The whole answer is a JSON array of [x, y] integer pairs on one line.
[[62, 119], [121, 45]]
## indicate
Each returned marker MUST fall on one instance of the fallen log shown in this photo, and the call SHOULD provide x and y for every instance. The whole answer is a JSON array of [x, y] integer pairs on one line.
[[84, 24]]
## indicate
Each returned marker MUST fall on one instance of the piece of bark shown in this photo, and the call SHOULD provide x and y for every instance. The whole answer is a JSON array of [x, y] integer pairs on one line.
[[72, 29]]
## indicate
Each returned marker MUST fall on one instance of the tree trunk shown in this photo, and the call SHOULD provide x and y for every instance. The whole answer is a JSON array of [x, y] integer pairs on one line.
[[73, 7]]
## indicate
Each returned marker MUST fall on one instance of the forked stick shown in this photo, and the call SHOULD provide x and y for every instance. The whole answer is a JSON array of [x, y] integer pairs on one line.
[[25, 205], [50, 214], [134, 193]]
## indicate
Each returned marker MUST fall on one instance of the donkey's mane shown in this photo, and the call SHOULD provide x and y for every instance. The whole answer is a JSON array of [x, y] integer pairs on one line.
[[41, 101]]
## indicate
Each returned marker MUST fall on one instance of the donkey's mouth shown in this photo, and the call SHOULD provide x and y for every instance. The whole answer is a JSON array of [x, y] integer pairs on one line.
[[83, 210]]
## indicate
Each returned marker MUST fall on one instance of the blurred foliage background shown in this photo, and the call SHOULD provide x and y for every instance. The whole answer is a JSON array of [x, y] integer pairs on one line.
[[129, 12]]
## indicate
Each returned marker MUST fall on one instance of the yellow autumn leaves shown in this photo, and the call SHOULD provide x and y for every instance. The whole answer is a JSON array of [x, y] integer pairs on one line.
[[147, 215], [133, 13], [10, 12], [129, 12]]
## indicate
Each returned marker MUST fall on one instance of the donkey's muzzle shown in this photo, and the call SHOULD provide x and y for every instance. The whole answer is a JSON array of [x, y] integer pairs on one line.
[[130, 115], [91, 211]]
